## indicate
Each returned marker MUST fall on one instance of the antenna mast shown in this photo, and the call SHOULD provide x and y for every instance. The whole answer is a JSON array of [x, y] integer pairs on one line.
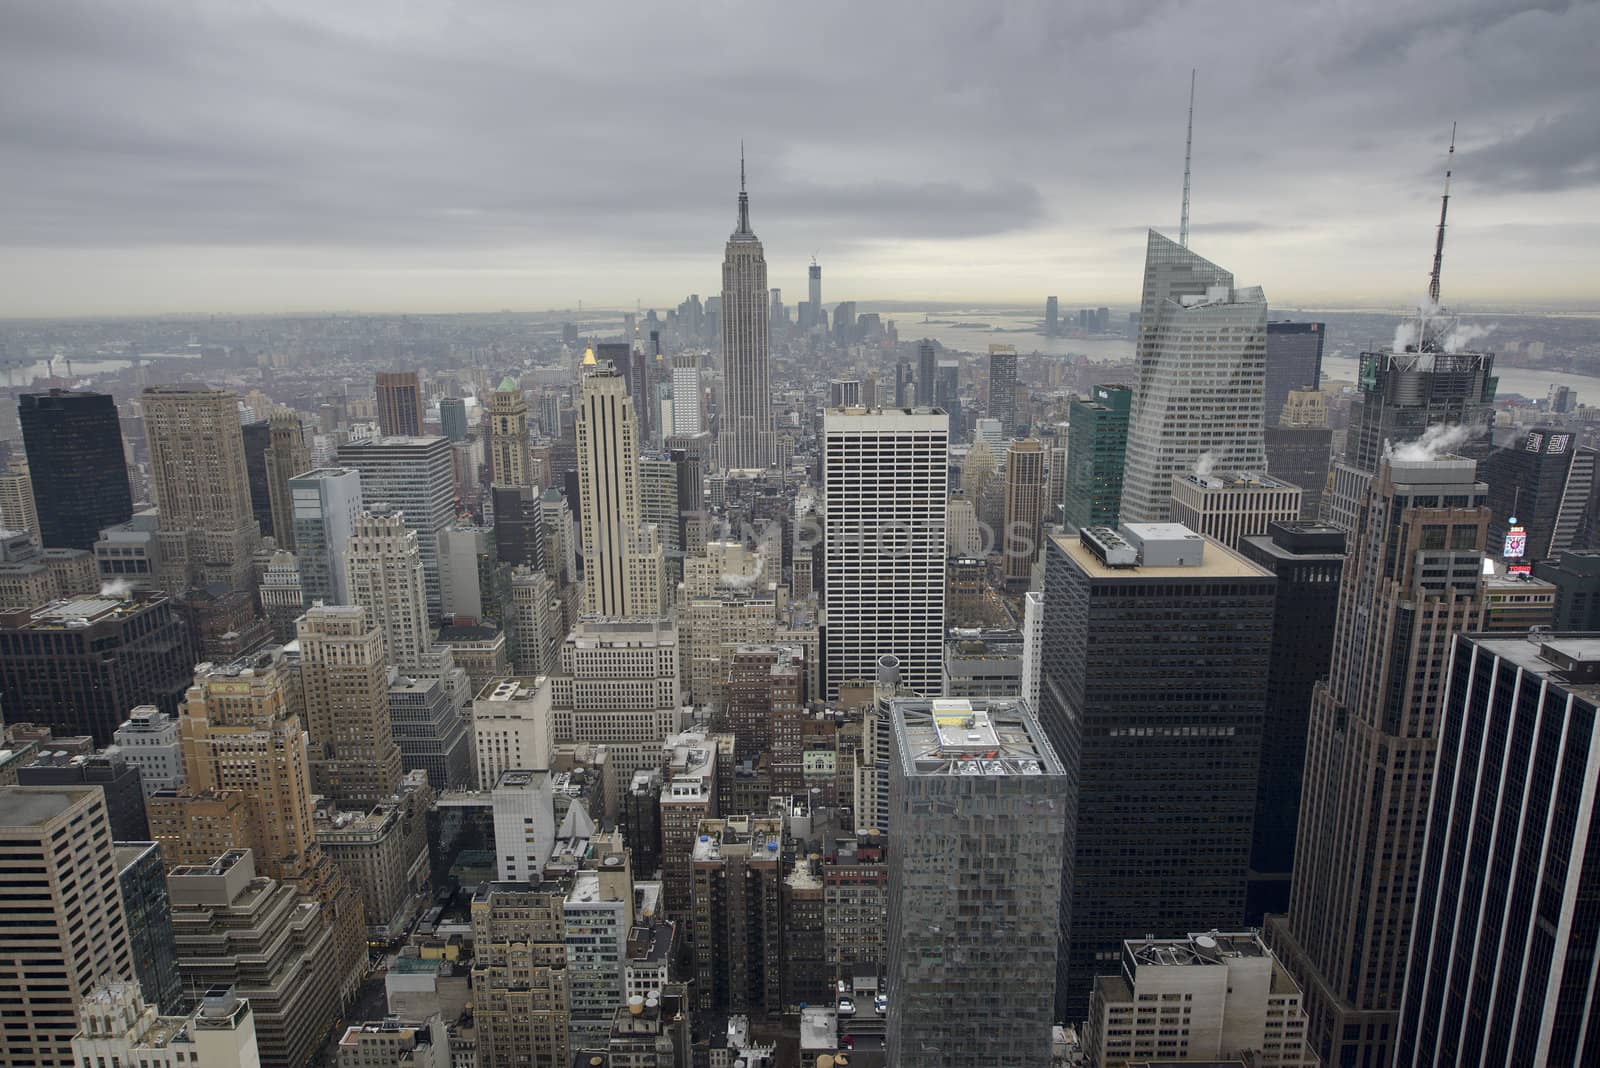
[[1444, 208], [1188, 150]]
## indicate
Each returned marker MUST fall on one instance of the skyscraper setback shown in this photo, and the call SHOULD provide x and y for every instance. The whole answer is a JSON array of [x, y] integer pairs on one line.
[[1200, 381], [746, 435], [1412, 583]]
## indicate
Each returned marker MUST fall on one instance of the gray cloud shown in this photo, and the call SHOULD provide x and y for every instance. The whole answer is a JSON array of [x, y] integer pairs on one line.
[[1023, 131], [1559, 152]]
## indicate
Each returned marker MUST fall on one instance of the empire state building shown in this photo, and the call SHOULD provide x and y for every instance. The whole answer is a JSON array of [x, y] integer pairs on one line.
[[746, 433]]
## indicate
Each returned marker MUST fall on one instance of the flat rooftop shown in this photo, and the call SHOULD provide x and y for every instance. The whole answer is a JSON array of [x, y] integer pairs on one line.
[[31, 806], [1528, 652], [1219, 562], [953, 736]]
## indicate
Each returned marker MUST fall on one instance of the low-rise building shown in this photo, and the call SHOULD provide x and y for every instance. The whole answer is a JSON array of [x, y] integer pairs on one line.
[[1229, 505], [118, 1027], [395, 1043], [1207, 997]]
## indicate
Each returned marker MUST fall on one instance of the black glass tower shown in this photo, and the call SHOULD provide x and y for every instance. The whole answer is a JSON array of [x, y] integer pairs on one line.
[[80, 478]]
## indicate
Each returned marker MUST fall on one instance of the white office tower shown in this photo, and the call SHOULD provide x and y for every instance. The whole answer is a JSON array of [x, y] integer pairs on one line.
[[886, 479], [387, 578], [324, 504], [417, 476], [512, 727], [624, 566], [1032, 644], [686, 416], [524, 824], [119, 1028], [1214, 998], [1200, 385], [745, 440], [148, 739]]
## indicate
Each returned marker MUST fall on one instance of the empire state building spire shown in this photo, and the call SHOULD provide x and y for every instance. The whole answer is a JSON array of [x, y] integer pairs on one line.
[[743, 229], [745, 439]]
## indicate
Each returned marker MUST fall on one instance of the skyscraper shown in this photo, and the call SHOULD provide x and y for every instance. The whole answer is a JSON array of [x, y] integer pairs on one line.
[[1403, 391], [814, 277], [286, 457], [453, 418], [80, 665], [510, 463], [624, 569], [686, 400], [415, 476], [388, 579], [65, 928], [324, 505], [1201, 378], [74, 446], [1097, 449], [1229, 505], [1308, 559], [354, 759], [1003, 387], [1024, 511], [399, 401], [1052, 316], [18, 511], [1294, 361], [1543, 481], [886, 477], [745, 437], [1154, 667], [1503, 948], [979, 802], [197, 473], [1411, 584], [927, 370]]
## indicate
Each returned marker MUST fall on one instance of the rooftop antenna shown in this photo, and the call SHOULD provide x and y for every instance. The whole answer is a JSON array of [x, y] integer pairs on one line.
[[1188, 151], [744, 198], [1444, 209]]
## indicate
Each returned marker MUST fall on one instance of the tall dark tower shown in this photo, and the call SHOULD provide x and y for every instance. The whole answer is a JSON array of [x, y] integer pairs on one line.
[[80, 479]]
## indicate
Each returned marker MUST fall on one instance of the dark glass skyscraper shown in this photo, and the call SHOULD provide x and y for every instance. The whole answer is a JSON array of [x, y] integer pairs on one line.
[[1543, 480], [257, 440], [1308, 559], [1003, 387], [927, 364], [1294, 361], [1153, 687], [80, 478], [1097, 444], [1502, 961]]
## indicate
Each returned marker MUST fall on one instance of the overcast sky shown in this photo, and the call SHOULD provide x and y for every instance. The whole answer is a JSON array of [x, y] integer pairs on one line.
[[414, 156]]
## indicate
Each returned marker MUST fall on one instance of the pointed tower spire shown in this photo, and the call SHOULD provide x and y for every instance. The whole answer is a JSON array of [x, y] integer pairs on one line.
[[1188, 152], [744, 198], [1444, 208]]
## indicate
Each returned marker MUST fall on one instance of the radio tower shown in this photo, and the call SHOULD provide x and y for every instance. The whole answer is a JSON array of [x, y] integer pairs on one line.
[[1444, 209], [1188, 150]]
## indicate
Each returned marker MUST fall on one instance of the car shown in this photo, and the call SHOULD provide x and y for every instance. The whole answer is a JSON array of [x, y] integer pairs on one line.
[[880, 1004], [847, 1007]]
